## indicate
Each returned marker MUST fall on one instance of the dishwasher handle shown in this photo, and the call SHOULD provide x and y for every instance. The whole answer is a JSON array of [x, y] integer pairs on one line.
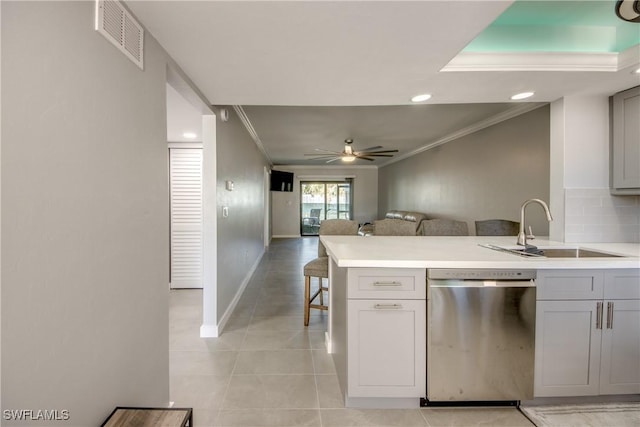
[[453, 283]]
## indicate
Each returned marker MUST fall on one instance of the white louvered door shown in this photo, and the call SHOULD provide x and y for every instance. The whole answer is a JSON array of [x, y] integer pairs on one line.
[[185, 172]]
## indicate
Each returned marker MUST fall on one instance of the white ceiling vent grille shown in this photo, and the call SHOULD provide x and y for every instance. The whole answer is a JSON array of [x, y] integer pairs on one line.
[[119, 27]]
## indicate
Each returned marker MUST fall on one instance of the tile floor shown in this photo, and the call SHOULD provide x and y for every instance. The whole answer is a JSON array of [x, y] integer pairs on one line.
[[267, 369]]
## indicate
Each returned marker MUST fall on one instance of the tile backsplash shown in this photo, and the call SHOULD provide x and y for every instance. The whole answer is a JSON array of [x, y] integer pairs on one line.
[[595, 215]]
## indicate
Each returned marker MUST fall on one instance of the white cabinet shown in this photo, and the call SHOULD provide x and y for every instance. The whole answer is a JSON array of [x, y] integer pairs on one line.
[[625, 144], [566, 339], [587, 333], [387, 343], [620, 364], [378, 324]]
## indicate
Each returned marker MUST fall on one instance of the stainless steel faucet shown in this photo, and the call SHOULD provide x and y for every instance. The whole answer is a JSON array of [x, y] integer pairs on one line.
[[522, 236]]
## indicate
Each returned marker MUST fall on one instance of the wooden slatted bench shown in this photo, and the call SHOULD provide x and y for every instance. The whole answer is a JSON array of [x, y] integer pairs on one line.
[[149, 417]]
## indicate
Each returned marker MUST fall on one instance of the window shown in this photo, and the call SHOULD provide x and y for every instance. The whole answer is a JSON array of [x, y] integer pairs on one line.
[[320, 200]]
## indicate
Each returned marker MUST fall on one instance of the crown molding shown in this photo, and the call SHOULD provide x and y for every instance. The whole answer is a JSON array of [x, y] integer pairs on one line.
[[326, 167], [517, 110], [252, 132], [629, 57], [533, 61]]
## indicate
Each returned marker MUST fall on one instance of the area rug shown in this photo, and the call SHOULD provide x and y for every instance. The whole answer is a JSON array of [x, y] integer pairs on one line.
[[591, 415]]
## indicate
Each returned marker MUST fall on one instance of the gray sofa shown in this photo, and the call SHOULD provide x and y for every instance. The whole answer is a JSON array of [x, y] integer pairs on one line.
[[399, 223], [410, 223]]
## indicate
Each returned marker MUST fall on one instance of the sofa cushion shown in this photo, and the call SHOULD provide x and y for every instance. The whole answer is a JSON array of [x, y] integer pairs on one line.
[[414, 217], [394, 214]]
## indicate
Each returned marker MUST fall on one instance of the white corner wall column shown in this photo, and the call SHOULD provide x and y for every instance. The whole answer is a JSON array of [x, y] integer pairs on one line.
[[556, 169], [580, 199], [209, 327]]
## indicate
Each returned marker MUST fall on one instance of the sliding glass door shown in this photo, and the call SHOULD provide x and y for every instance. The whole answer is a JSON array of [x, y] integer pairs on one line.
[[322, 200]]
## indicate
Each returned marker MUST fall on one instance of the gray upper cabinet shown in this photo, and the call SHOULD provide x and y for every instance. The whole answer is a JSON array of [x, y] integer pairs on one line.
[[625, 144]]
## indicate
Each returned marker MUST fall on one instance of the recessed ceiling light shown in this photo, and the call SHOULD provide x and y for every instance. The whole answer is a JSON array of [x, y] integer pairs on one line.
[[420, 98], [189, 135], [522, 95], [637, 71]]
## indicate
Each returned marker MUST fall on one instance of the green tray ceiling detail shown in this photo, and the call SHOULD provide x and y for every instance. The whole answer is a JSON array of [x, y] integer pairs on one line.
[[558, 26]]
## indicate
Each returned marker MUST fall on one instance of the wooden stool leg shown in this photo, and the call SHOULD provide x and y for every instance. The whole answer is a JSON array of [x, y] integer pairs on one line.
[[307, 294], [321, 293]]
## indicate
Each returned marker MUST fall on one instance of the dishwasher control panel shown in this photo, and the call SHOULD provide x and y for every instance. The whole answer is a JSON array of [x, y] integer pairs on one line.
[[480, 274]]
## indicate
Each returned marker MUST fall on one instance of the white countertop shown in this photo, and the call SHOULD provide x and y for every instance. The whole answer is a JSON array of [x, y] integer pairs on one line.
[[465, 252]]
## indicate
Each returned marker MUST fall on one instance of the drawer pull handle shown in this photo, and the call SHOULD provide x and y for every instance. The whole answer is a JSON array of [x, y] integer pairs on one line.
[[394, 283], [387, 306]]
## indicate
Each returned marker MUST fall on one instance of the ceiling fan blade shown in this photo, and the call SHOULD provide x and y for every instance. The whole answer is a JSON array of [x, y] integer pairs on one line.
[[365, 158], [377, 152], [369, 149], [377, 155], [320, 155], [327, 151], [334, 159]]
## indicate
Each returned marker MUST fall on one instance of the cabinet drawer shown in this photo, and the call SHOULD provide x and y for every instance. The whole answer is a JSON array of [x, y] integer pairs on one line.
[[387, 283], [570, 284], [622, 284]]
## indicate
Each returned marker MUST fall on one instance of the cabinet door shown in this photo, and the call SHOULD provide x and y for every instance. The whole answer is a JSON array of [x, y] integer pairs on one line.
[[626, 141], [567, 348], [620, 366], [387, 348]]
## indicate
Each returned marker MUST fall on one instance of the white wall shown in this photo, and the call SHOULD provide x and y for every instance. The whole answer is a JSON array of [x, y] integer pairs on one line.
[[585, 211], [240, 236], [285, 206], [484, 175], [84, 217]]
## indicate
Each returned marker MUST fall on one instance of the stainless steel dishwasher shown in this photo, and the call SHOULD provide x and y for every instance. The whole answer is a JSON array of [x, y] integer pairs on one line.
[[481, 335]]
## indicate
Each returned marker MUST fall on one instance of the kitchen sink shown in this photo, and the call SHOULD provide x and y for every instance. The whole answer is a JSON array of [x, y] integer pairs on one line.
[[534, 252], [576, 253]]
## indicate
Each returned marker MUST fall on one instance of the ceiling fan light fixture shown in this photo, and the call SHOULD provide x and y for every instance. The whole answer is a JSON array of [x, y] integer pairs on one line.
[[522, 95], [348, 158], [421, 98]]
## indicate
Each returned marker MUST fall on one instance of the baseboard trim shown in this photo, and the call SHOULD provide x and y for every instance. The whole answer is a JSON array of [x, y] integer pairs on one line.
[[286, 236], [383, 402], [236, 298], [209, 331]]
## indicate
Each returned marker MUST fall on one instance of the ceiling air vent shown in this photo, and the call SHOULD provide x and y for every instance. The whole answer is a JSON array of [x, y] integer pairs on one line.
[[120, 27]]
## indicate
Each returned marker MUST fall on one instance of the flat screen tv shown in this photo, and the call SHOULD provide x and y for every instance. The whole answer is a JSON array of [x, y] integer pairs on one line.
[[281, 181]]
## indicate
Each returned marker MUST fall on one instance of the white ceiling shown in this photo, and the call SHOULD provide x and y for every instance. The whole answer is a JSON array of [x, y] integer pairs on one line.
[[267, 54]]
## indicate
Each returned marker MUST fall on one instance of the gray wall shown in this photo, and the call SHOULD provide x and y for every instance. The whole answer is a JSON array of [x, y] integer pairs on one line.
[[240, 235], [84, 217], [484, 175], [285, 206]]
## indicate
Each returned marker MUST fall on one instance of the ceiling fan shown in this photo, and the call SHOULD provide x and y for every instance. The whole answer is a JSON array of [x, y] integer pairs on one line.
[[349, 154]]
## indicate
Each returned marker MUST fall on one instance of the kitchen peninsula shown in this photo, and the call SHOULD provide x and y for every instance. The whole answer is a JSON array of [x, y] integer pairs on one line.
[[587, 315]]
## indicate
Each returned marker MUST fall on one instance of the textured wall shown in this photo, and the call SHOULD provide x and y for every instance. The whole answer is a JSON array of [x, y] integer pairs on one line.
[[484, 175], [240, 238], [285, 206], [84, 217]]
